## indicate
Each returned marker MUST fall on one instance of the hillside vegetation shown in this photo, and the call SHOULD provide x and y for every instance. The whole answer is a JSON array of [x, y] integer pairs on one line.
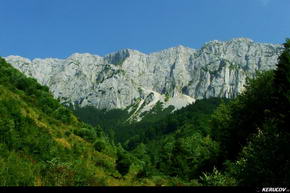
[[43, 143], [214, 142]]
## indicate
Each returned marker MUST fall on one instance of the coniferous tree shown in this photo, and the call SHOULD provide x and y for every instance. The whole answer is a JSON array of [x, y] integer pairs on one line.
[[281, 84]]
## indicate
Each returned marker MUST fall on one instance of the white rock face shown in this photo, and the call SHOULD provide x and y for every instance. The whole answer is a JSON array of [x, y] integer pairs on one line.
[[176, 76]]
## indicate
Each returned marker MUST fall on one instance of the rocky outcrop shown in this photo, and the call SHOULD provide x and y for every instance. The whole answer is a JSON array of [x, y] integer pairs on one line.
[[175, 76]]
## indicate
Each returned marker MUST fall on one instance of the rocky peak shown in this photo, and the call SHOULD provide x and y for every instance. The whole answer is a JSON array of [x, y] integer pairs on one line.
[[175, 76], [117, 58], [18, 59]]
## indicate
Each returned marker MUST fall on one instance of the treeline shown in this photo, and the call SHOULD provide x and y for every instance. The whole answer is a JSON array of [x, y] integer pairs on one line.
[[117, 123]]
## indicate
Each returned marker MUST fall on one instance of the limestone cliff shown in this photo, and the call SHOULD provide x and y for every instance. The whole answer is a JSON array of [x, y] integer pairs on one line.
[[175, 76]]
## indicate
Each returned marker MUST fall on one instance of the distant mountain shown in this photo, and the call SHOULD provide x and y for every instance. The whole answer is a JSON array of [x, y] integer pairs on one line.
[[175, 76]]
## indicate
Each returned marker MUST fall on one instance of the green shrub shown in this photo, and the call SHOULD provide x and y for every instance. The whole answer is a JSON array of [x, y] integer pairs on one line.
[[123, 162], [216, 178], [63, 114], [99, 145], [87, 133], [16, 171]]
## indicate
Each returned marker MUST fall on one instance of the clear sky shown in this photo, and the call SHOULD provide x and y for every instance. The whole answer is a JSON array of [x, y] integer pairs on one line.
[[58, 28]]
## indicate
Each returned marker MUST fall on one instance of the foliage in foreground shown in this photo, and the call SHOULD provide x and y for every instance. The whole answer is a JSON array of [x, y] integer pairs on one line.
[[253, 130]]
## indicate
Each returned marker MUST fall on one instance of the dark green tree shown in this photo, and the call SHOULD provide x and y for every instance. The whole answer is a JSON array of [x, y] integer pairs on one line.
[[233, 123], [281, 83]]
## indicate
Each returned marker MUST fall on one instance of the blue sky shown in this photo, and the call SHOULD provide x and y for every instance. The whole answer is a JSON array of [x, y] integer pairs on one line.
[[58, 28]]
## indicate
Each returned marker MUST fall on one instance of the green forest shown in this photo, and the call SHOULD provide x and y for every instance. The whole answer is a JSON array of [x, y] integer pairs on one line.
[[242, 141]]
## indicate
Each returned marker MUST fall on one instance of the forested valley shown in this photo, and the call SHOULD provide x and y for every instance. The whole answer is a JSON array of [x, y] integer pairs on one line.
[[242, 141]]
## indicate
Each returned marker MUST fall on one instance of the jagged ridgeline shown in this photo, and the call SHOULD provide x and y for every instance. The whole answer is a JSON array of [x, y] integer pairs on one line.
[[174, 76]]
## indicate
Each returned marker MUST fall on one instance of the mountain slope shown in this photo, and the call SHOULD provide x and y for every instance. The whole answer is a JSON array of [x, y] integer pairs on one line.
[[43, 143], [175, 76]]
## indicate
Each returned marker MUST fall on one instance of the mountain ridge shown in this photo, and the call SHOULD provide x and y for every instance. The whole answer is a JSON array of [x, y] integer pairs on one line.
[[175, 76]]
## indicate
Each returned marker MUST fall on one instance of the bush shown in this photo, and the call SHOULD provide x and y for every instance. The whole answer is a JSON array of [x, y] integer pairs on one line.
[[47, 104], [15, 171], [123, 162], [87, 133], [265, 160], [216, 178], [63, 114], [100, 145], [188, 156], [28, 85]]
